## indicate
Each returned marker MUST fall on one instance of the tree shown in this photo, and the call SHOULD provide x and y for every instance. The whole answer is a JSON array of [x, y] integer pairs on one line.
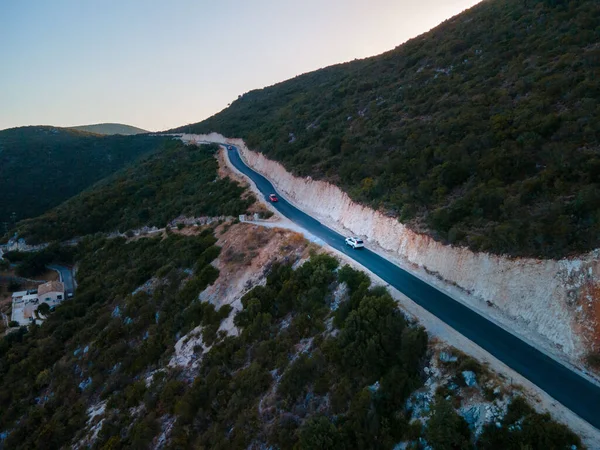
[[44, 308], [335, 144], [319, 433], [371, 337], [446, 430]]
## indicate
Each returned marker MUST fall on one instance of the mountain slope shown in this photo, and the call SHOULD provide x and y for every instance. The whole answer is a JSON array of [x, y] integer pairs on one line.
[[142, 359], [176, 180], [110, 128], [41, 167], [482, 132]]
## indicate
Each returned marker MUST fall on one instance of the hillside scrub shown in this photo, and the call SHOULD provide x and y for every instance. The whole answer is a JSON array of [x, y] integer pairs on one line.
[[220, 409], [58, 163], [290, 379], [99, 343], [177, 180], [32, 264], [482, 132]]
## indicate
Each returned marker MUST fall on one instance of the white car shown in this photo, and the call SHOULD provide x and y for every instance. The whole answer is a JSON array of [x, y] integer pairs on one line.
[[355, 242]]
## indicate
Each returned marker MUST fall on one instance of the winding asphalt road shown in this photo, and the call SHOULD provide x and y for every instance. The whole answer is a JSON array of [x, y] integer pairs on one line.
[[66, 277], [575, 392]]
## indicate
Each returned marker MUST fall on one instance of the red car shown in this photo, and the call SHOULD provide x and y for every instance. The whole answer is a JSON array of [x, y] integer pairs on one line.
[[273, 198]]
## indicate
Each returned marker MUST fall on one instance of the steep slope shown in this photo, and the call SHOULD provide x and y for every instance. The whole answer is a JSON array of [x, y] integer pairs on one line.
[[110, 128], [482, 132], [41, 167], [554, 303], [176, 180], [305, 353], [233, 336]]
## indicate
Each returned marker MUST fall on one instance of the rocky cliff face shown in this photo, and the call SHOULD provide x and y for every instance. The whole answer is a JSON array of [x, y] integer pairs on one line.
[[559, 300]]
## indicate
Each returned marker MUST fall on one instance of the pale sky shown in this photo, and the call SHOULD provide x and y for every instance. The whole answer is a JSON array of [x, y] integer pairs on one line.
[[162, 64]]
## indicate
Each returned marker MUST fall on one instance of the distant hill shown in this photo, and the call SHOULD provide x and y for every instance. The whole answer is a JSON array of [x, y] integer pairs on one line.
[[483, 132], [41, 166], [110, 128]]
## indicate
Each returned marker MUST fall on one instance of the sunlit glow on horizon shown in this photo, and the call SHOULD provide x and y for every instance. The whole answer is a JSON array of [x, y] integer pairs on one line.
[[158, 65]]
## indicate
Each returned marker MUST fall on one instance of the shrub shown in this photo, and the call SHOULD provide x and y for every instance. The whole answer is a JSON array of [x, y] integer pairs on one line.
[[319, 432], [44, 309], [593, 360], [446, 430], [522, 427]]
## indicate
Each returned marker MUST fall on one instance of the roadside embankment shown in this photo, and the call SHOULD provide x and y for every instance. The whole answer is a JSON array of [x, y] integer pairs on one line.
[[553, 303]]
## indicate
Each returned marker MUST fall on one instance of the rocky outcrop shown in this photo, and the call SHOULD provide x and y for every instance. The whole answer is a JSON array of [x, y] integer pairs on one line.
[[557, 299]]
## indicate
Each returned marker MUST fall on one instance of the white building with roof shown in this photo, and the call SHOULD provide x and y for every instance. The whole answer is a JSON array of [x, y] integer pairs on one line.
[[52, 292], [26, 303]]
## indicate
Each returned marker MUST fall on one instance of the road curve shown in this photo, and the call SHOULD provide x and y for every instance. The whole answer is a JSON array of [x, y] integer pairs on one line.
[[66, 277], [572, 390]]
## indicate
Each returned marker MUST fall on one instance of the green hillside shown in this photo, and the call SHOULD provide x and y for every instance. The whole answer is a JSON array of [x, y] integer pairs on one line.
[[286, 381], [482, 132], [110, 128], [176, 180], [40, 167]]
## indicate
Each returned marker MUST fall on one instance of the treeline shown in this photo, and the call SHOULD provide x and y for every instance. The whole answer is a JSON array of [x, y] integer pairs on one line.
[[177, 180], [41, 167], [482, 132]]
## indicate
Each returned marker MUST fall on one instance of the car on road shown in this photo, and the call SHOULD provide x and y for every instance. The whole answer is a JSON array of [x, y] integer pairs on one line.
[[273, 198], [355, 242]]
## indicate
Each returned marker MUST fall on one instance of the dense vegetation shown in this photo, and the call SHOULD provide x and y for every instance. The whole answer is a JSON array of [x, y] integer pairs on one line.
[[41, 167], [298, 376], [110, 128], [483, 132], [317, 375], [177, 180], [32, 264], [97, 344]]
